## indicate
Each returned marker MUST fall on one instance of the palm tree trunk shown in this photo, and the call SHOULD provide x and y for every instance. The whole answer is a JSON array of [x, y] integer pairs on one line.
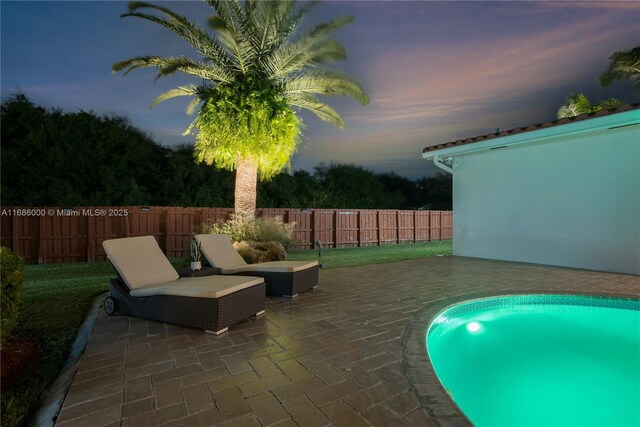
[[246, 187]]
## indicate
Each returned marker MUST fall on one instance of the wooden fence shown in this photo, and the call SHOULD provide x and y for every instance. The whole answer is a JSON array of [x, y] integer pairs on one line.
[[50, 234]]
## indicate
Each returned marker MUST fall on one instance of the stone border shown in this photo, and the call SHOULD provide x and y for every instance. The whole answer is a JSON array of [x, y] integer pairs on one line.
[[417, 364], [54, 397]]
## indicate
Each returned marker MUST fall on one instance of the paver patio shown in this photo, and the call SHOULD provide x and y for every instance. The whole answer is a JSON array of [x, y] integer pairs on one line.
[[329, 357]]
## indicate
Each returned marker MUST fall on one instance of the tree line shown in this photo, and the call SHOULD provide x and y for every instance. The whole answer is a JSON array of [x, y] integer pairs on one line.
[[53, 158]]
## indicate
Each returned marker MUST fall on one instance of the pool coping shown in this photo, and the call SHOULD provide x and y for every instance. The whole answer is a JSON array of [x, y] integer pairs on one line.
[[417, 364]]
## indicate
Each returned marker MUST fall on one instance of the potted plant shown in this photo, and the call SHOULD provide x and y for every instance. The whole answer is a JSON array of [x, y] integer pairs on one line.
[[195, 254]]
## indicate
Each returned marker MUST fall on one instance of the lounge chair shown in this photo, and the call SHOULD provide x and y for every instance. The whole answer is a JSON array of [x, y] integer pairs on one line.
[[148, 286], [284, 278]]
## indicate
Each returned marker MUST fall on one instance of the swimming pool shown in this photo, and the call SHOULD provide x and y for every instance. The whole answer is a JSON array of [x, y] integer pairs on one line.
[[540, 360]]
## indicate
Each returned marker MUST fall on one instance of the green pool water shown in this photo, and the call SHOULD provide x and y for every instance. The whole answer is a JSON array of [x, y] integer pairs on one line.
[[541, 360]]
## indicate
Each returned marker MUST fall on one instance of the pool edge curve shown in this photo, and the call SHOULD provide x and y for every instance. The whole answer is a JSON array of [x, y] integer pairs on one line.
[[417, 363]]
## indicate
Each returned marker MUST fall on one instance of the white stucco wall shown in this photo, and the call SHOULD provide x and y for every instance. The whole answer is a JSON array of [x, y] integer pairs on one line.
[[570, 201]]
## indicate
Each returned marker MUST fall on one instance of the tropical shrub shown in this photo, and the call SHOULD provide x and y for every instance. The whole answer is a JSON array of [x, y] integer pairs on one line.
[[11, 265], [256, 252], [245, 229]]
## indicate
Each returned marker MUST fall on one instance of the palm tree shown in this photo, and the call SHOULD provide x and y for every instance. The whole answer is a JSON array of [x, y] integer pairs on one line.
[[575, 105], [255, 69], [624, 65]]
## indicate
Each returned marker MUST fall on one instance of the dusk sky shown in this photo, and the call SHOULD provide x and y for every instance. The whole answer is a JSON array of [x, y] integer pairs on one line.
[[435, 71]]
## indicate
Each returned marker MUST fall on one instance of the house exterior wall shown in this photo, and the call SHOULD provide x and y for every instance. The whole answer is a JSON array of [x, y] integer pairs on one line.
[[570, 201]]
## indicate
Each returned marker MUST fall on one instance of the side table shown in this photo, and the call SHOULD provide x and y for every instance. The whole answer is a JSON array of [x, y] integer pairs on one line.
[[204, 271]]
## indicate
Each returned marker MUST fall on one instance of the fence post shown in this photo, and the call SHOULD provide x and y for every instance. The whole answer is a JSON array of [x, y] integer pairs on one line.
[[126, 225], [14, 232], [335, 228], [415, 227], [398, 226], [314, 225], [42, 256], [359, 225], [166, 232], [197, 221], [379, 224], [90, 249]]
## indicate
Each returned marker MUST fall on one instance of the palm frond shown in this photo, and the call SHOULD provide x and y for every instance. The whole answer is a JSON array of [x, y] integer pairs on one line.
[[624, 65], [241, 51], [575, 105], [180, 25], [311, 47], [169, 65], [235, 31], [326, 83], [311, 103], [230, 13], [289, 25], [131, 64], [189, 66], [324, 30], [201, 91], [283, 9], [189, 90], [263, 19], [191, 108], [293, 58]]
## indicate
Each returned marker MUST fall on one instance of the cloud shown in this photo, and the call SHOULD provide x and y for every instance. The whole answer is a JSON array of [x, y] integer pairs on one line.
[[429, 82]]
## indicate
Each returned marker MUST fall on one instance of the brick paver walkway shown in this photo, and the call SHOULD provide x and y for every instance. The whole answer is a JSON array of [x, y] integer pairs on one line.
[[329, 357]]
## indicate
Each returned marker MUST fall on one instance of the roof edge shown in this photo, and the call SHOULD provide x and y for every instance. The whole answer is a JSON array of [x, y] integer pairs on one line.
[[530, 128]]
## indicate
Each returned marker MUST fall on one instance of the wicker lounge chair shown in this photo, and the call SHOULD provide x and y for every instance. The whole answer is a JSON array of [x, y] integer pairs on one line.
[[284, 278], [148, 286]]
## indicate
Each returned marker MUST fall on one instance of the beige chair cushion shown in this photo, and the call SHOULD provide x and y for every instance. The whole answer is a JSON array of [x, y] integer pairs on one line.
[[200, 287], [219, 251], [272, 267], [139, 261]]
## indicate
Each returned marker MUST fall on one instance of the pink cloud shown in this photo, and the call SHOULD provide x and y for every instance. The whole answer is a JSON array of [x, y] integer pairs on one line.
[[430, 82]]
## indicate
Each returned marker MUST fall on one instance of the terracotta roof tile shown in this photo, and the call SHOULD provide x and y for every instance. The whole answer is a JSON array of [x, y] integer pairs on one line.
[[549, 124]]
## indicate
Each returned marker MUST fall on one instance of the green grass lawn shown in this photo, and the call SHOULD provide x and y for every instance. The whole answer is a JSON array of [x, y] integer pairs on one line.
[[352, 257], [55, 300], [57, 297]]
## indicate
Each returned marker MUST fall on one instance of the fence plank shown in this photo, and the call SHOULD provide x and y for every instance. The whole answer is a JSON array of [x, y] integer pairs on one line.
[[90, 238], [42, 253], [379, 227], [359, 213], [14, 232]]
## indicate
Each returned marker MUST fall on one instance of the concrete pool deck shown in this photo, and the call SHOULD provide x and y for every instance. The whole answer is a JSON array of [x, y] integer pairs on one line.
[[334, 356]]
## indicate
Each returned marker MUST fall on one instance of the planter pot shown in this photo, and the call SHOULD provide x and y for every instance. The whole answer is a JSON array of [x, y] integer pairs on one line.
[[196, 265]]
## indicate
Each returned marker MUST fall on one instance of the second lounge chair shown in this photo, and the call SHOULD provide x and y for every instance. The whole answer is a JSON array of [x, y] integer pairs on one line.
[[284, 278]]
